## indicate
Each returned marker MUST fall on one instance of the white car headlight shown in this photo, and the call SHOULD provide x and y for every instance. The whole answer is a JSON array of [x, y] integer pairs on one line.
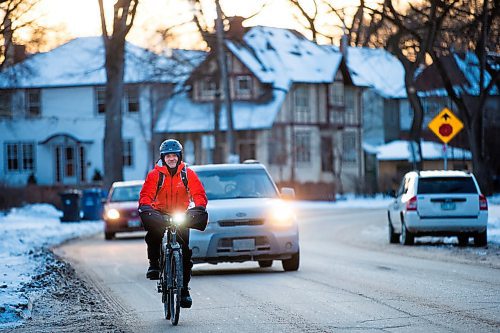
[[282, 215], [113, 214]]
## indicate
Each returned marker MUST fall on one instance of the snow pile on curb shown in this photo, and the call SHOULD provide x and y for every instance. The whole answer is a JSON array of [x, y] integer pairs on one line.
[[23, 232]]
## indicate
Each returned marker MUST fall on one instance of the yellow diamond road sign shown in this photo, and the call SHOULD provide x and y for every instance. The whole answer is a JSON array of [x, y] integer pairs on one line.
[[446, 125]]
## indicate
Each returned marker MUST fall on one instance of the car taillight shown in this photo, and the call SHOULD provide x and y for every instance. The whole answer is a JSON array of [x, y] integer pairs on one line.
[[412, 204], [483, 203]]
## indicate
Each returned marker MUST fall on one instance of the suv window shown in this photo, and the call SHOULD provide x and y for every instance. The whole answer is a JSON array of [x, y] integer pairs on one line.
[[434, 185], [231, 184]]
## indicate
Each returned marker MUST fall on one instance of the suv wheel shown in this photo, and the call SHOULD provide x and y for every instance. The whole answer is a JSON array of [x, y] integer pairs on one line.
[[481, 239], [393, 237], [407, 238], [291, 264]]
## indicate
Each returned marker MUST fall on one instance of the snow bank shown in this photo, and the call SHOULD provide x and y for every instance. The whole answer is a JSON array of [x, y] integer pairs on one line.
[[24, 231]]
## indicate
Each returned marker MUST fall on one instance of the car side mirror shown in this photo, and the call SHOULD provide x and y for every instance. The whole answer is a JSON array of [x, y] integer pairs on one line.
[[104, 200], [287, 193]]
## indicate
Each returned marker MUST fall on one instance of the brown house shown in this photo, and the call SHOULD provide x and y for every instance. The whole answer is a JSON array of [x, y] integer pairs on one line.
[[294, 109]]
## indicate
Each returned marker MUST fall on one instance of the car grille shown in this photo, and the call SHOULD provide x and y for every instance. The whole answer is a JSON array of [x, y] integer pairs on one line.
[[240, 222], [226, 244], [132, 213]]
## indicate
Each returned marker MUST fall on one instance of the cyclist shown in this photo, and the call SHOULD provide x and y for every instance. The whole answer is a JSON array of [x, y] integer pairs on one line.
[[167, 194]]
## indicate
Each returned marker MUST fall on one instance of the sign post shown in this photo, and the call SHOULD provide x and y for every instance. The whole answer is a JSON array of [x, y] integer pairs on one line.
[[445, 125]]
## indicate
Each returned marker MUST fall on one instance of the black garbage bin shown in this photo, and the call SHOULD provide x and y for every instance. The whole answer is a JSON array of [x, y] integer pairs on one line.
[[71, 205], [92, 204]]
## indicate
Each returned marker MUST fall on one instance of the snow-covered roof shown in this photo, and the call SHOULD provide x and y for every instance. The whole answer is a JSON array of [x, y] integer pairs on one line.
[[283, 56], [464, 73], [81, 62], [400, 150], [182, 115], [377, 69]]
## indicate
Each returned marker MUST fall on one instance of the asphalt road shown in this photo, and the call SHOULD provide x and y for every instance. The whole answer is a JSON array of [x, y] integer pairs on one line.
[[350, 279]]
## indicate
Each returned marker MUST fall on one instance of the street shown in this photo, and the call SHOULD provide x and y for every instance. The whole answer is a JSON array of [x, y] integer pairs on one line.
[[350, 279]]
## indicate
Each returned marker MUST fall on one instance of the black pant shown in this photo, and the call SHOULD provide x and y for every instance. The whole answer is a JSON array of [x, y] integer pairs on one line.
[[155, 226]]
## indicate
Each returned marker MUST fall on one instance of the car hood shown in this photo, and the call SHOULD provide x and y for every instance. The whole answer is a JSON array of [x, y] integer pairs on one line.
[[125, 205], [250, 208]]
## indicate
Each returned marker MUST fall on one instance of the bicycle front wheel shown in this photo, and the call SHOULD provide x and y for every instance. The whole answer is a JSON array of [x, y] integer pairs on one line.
[[164, 288], [175, 291]]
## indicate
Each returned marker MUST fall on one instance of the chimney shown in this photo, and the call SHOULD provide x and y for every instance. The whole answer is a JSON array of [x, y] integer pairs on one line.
[[8, 45], [343, 45], [236, 29]]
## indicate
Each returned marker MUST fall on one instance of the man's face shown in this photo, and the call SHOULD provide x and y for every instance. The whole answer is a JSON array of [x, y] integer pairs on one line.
[[171, 160]]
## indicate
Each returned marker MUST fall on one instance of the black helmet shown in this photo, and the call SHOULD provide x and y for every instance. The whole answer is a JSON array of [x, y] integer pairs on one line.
[[171, 146]]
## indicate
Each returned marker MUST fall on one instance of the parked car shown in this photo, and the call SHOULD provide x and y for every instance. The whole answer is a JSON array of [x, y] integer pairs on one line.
[[120, 209], [248, 218], [438, 203]]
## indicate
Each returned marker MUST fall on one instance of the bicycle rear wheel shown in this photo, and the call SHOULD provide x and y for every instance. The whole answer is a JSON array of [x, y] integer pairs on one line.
[[175, 291]]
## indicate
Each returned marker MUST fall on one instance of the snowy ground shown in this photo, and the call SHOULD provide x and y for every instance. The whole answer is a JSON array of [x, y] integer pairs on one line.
[[27, 233]]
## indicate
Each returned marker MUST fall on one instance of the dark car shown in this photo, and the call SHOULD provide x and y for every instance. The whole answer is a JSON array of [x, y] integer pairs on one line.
[[120, 209]]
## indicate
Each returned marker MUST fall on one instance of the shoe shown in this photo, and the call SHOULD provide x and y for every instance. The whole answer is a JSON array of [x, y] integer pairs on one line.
[[153, 272], [186, 300]]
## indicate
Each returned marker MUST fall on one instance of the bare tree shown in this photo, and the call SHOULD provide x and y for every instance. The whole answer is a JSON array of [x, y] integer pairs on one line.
[[114, 44], [472, 27], [17, 16]]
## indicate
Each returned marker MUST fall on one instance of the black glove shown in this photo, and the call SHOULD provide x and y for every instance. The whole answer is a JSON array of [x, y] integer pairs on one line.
[[197, 209], [145, 209]]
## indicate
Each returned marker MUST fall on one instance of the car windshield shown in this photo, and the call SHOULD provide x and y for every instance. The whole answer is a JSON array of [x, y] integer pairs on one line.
[[436, 185], [232, 184], [126, 193]]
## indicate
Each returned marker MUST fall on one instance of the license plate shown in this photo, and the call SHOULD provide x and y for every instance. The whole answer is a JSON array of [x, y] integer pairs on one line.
[[244, 244], [134, 223], [448, 206]]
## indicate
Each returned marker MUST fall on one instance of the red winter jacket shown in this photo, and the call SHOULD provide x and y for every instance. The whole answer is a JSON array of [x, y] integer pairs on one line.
[[172, 196]]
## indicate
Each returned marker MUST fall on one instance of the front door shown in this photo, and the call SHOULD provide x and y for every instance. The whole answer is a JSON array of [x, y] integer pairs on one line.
[[69, 164]]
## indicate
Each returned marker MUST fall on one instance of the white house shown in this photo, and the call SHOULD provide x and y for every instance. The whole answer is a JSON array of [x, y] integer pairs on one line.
[[52, 111]]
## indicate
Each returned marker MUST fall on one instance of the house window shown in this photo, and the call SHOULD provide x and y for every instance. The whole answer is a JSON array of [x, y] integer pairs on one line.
[[33, 102], [132, 95], [207, 88], [20, 156], [5, 104], [303, 147], [349, 147], [326, 154], [336, 95], [128, 152], [276, 146], [301, 100], [100, 99], [243, 86]]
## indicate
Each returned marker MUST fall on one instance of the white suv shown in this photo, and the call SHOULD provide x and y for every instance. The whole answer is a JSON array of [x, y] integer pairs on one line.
[[440, 203]]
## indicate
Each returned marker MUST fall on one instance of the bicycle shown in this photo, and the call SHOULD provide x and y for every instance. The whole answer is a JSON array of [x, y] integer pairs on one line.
[[171, 270]]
